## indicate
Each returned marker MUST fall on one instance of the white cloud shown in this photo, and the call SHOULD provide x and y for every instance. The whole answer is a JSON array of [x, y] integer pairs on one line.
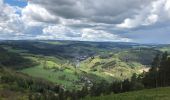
[[100, 35], [59, 32], [33, 13], [157, 11], [10, 22], [99, 11], [92, 20], [151, 19], [167, 5], [128, 23]]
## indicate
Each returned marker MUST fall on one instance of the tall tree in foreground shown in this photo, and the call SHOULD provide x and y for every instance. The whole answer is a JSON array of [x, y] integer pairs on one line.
[[151, 78], [163, 69], [159, 74]]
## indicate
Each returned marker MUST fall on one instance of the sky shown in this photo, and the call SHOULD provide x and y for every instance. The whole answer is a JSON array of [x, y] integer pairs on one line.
[[141, 21]]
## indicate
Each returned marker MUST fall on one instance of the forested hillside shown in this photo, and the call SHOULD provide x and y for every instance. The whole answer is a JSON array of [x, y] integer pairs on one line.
[[14, 60], [60, 70]]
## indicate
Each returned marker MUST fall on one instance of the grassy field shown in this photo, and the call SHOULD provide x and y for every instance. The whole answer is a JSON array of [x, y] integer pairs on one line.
[[56, 61], [165, 49], [110, 67], [63, 73], [148, 94], [54, 72]]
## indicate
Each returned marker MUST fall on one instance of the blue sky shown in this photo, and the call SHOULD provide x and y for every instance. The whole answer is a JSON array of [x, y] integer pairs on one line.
[[20, 3], [146, 21]]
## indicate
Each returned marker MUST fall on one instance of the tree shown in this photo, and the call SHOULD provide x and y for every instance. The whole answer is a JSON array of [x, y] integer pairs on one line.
[[100, 88], [168, 72], [159, 72], [163, 68], [151, 78], [126, 85], [116, 86], [156, 63], [136, 83]]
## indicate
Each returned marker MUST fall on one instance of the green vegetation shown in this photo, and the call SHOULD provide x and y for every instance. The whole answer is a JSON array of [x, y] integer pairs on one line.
[[142, 55], [14, 60], [18, 86], [56, 60], [64, 77], [110, 67], [148, 94], [163, 49], [80, 68], [158, 75]]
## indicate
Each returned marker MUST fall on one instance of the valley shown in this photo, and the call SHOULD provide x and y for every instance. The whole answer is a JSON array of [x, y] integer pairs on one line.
[[68, 63], [76, 65]]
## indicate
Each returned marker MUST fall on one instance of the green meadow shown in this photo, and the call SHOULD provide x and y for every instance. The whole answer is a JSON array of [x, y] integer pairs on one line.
[[147, 94]]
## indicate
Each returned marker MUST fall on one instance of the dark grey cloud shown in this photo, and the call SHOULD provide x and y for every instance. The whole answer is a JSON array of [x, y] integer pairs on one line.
[[99, 11]]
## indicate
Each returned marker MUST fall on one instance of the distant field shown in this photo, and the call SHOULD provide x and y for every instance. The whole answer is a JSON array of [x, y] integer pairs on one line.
[[165, 49], [54, 73], [53, 42], [111, 67], [148, 94], [64, 74]]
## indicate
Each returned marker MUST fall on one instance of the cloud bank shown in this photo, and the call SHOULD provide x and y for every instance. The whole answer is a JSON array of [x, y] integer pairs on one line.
[[143, 21]]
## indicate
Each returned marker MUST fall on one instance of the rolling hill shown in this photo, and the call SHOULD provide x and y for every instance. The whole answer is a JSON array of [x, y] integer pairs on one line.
[[68, 63], [74, 64]]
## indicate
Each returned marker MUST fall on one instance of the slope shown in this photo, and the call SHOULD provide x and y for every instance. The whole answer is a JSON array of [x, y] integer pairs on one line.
[[148, 94]]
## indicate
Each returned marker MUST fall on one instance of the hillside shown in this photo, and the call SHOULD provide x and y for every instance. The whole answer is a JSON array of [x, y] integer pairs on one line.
[[19, 86], [74, 63], [148, 94], [14, 60], [80, 68], [111, 66]]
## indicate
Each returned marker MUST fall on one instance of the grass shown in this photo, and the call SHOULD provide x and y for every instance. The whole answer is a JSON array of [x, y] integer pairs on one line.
[[8, 94], [62, 71], [110, 68], [148, 94], [96, 69], [53, 71], [65, 77]]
